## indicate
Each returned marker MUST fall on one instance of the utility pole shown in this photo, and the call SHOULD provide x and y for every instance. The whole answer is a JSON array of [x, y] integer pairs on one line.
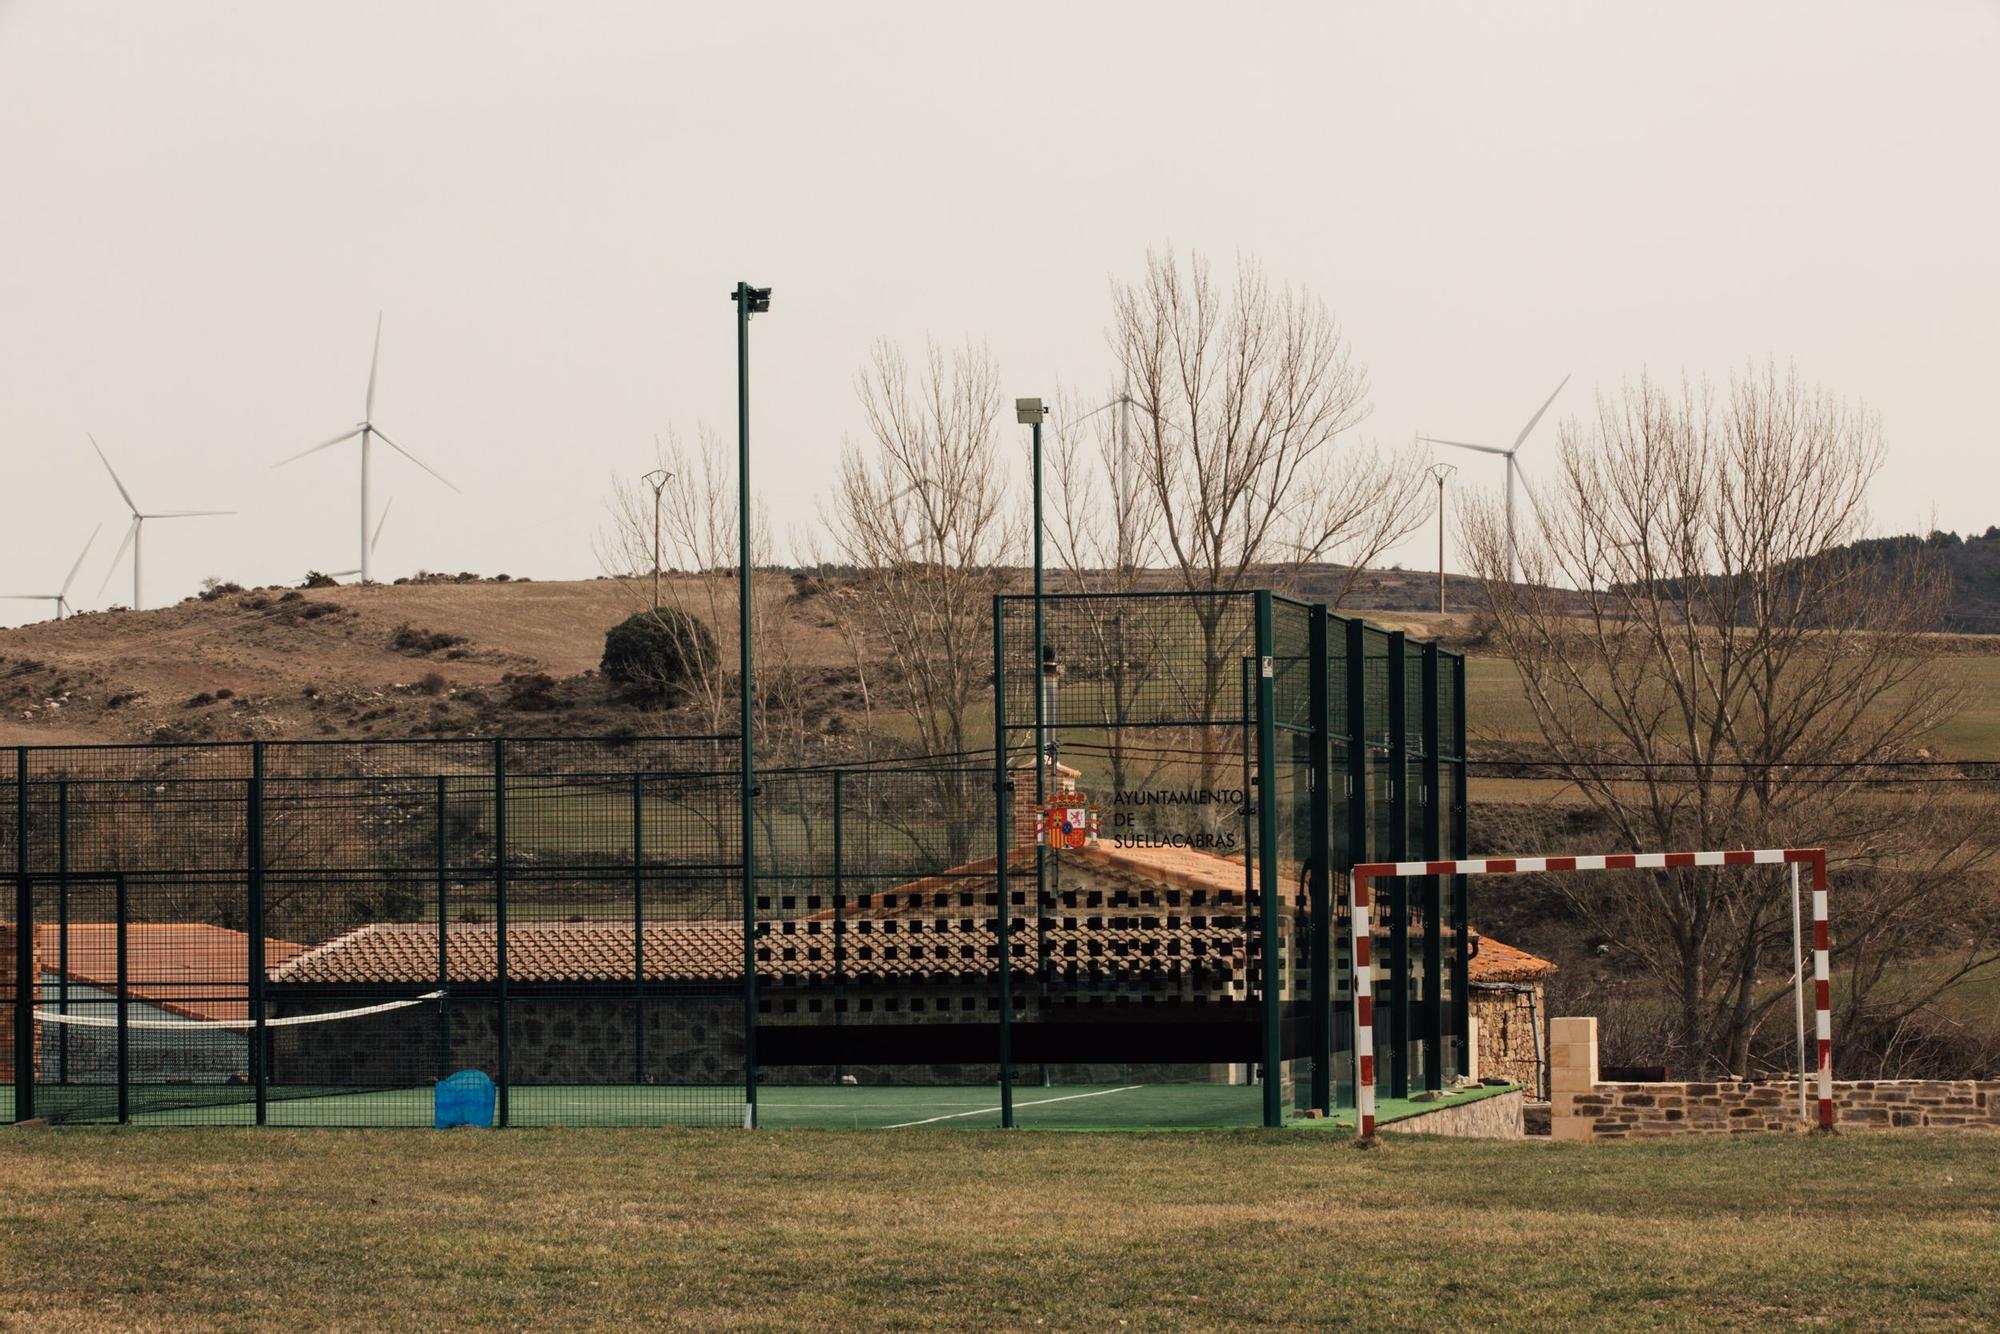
[[1440, 471], [659, 485], [749, 301]]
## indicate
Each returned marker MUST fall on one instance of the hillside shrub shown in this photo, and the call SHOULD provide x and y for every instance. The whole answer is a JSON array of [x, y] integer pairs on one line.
[[418, 643], [655, 652]]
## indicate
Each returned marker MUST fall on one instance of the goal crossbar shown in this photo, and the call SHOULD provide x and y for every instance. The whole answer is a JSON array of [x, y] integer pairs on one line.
[[1363, 876]]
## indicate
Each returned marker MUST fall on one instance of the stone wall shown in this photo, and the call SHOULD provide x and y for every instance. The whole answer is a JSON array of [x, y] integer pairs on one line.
[[1506, 1037], [1496, 1117], [1587, 1109]]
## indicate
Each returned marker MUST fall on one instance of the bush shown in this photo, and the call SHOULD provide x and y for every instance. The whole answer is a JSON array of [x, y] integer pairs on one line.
[[314, 579], [418, 643], [531, 692], [657, 651]]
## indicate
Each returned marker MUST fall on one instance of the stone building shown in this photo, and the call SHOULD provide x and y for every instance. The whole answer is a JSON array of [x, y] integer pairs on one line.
[[1510, 1013]]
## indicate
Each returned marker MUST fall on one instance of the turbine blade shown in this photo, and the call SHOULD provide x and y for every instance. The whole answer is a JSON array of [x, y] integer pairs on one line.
[[1527, 491], [376, 541], [414, 459], [374, 357], [79, 561], [1460, 444], [130, 503], [187, 514], [27, 597], [343, 436], [119, 554], [1538, 416]]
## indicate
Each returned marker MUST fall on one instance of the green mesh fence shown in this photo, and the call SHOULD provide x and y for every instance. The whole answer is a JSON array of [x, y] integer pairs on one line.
[[316, 933]]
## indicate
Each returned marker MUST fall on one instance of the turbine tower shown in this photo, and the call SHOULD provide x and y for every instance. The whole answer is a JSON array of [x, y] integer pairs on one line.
[[1513, 470], [137, 528], [60, 599], [369, 432], [373, 542]]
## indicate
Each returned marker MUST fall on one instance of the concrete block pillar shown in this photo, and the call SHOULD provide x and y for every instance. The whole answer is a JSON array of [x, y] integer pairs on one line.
[[1572, 1075]]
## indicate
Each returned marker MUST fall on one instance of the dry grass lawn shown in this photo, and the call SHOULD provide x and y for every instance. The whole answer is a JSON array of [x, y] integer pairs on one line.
[[601, 1229]]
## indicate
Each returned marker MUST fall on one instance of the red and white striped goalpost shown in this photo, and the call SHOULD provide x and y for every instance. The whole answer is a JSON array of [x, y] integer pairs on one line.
[[1364, 876]]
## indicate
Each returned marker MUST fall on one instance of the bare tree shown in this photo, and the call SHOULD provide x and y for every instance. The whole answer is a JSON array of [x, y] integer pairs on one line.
[[1241, 396], [697, 537], [1708, 667], [922, 514]]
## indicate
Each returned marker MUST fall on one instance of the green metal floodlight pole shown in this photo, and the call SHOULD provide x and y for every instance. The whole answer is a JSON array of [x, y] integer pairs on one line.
[[1029, 412], [749, 301]]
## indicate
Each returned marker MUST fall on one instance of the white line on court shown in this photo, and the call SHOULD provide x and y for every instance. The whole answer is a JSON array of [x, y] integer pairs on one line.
[[1039, 1102]]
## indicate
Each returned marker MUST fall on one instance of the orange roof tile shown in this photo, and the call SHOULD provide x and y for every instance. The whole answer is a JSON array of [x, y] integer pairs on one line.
[[1494, 961], [186, 968]]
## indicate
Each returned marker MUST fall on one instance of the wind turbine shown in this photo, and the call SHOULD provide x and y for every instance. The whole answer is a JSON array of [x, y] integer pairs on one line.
[[137, 528], [60, 599], [1513, 469], [369, 432]]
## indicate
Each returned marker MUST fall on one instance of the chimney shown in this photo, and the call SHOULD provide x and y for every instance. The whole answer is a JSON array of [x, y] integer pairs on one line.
[[1057, 782]]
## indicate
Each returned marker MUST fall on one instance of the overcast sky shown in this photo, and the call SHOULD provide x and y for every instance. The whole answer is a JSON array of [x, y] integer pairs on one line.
[[203, 206]]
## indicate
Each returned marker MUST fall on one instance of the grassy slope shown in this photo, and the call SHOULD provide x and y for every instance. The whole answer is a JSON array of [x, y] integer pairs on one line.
[[955, 1229], [268, 656]]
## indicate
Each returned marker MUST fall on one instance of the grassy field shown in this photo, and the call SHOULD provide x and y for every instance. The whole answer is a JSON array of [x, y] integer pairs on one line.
[[929, 1229]]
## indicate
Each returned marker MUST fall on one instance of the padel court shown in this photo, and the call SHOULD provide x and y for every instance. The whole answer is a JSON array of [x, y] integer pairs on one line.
[[1072, 1107]]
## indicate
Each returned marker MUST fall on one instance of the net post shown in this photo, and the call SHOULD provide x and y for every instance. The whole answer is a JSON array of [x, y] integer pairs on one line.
[[1003, 834], [504, 1082], [1399, 850], [254, 843], [1362, 945], [121, 907], [24, 949], [1267, 865], [1320, 906]]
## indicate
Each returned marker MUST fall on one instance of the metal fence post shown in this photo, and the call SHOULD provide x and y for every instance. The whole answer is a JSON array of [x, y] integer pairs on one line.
[[1433, 1025], [504, 1082], [1358, 811], [254, 842], [638, 930], [24, 950], [1461, 847], [839, 935], [1003, 837], [1267, 864], [62, 927], [121, 906], [1399, 850], [1321, 904], [443, 872]]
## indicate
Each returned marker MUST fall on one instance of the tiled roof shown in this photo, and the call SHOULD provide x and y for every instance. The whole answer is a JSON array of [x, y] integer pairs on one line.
[[536, 952], [186, 968], [1128, 913], [1493, 961]]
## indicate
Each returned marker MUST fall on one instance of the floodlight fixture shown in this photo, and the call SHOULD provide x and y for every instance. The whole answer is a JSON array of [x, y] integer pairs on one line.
[[1029, 411]]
